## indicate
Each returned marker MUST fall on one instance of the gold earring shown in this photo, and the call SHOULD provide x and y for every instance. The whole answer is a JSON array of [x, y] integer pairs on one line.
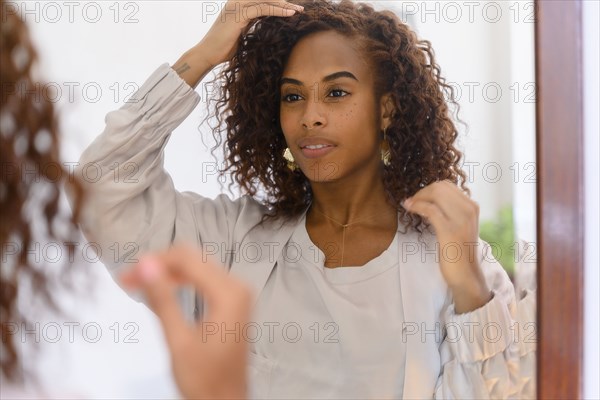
[[386, 154], [289, 157]]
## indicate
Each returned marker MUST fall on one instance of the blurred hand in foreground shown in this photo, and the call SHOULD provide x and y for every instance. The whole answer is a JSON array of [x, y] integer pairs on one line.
[[204, 364]]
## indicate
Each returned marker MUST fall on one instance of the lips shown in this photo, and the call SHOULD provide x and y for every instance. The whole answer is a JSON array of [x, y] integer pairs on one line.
[[315, 147], [320, 151], [314, 141]]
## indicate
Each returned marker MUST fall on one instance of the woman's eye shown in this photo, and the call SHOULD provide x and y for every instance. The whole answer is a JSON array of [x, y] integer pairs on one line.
[[339, 91], [290, 97]]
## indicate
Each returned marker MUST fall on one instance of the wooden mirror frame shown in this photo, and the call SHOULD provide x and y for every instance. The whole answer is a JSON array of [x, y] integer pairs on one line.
[[560, 198]]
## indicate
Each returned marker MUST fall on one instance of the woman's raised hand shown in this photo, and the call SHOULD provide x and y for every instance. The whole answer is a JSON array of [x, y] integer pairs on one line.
[[206, 364], [220, 43], [455, 219], [222, 38]]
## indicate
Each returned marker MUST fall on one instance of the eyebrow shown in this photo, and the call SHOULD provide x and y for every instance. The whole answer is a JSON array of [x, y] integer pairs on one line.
[[331, 77]]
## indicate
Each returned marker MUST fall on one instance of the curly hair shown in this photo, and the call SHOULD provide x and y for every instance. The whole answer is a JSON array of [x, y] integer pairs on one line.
[[30, 166], [421, 135]]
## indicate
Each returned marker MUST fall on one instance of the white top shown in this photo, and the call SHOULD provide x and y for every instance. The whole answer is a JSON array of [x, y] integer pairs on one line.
[[146, 212], [324, 323]]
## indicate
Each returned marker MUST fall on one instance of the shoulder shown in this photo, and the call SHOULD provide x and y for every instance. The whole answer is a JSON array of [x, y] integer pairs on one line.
[[240, 215], [244, 206]]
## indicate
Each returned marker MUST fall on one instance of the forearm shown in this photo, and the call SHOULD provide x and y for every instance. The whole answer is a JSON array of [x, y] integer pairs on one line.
[[471, 296], [193, 65], [130, 197]]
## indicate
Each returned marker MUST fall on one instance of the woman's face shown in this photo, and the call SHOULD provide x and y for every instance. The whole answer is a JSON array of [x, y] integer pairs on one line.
[[327, 99]]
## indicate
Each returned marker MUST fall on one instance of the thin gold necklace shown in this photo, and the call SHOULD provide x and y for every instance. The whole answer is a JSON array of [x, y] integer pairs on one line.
[[344, 226]]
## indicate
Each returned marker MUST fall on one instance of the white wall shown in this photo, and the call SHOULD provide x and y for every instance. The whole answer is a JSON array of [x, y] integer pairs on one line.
[[485, 48], [117, 57], [591, 83]]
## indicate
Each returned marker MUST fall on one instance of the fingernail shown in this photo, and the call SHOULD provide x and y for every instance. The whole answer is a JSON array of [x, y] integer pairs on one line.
[[407, 202], [149, 269]]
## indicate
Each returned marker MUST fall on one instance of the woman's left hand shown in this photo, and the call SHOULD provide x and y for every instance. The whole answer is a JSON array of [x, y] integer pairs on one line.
[[455, 219]]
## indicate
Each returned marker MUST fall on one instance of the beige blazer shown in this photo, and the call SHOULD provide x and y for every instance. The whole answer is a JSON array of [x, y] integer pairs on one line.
[[144, 212]]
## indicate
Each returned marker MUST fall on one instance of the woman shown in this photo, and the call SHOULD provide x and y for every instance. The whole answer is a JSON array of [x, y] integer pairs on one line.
[[355, 230], [31, 182]]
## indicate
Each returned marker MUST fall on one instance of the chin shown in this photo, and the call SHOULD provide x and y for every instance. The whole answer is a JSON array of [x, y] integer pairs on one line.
[[322, 171], [321, 180]]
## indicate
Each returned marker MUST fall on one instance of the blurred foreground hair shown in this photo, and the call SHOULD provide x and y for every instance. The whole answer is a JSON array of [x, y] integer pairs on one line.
[[31, 183]]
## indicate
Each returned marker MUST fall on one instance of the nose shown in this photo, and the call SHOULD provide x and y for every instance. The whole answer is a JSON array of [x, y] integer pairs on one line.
[[313, 115]]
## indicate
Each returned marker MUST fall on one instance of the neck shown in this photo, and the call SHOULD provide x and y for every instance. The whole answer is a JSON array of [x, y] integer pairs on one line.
[[351, 199]]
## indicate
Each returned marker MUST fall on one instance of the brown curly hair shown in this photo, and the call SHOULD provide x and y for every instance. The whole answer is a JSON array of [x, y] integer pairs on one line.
[[28, 142], [421, 135]]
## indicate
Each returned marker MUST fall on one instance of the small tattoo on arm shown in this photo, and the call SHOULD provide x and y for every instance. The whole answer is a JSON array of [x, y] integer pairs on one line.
[[183, 68]]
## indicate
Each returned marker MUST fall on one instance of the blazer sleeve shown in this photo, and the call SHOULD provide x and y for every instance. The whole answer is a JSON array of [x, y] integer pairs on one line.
[[131, 205], [480, 352]]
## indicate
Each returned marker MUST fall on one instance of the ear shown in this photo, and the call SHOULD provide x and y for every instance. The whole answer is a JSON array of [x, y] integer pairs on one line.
[[387, 110]]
